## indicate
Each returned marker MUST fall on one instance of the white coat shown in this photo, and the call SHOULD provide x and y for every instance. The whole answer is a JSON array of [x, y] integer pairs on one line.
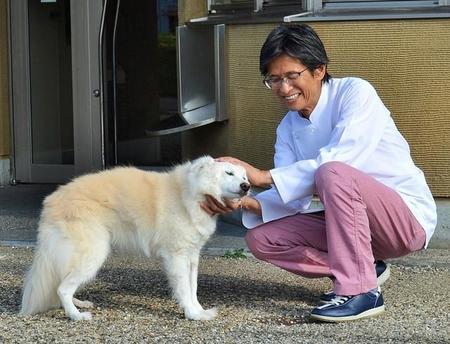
[[349, 124]]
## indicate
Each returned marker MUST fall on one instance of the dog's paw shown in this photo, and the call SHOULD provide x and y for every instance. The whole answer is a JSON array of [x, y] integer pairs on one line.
[[208, 314], [81, 316], [83, 304], [212, 313]]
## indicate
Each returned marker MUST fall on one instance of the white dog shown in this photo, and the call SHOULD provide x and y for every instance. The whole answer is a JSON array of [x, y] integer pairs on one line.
[[154, 213]]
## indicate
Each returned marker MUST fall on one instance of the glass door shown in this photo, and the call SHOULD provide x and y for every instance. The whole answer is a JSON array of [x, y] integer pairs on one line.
[[140, 82], [160, 81], [56, 96]]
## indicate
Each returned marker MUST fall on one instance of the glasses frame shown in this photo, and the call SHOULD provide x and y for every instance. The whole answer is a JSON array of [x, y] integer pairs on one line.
[[285, 79]]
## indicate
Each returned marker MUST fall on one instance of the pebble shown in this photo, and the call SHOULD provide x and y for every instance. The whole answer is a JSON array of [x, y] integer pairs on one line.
[[258, 303]]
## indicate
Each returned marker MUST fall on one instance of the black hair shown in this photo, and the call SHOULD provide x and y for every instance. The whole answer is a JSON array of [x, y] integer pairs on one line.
[[300, 42]]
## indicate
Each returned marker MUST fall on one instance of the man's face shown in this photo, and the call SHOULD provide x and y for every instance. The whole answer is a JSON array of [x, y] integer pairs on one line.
[[298, 92]]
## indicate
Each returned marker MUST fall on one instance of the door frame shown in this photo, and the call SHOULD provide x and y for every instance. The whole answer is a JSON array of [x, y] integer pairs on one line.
[[86, 18]]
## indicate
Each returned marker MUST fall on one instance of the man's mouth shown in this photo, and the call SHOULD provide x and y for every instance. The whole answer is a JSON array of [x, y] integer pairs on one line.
[[292, 97]]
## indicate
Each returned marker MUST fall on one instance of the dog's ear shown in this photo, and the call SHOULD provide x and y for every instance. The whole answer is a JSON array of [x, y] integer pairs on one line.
[[202, 162]]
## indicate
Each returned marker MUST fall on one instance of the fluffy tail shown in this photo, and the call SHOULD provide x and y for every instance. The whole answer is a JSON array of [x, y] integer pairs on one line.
[[39, 289]]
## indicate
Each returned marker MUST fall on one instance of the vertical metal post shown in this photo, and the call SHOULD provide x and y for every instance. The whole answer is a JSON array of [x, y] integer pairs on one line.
[[258, 5], [313, 5], [219, 71]]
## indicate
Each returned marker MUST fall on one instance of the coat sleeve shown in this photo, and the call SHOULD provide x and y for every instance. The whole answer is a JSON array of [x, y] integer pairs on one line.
[[272, 205], [360, 124]]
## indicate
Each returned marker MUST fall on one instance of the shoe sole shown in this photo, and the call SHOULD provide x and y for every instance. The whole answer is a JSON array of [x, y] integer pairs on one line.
[[369, 313]]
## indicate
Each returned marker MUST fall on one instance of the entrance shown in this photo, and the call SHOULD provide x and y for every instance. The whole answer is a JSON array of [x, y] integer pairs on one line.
[[140, 83], [159, 81], [55, 78], [95, 85]]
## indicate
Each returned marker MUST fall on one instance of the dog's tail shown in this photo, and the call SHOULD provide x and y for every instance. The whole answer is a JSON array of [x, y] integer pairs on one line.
[[40, 285]]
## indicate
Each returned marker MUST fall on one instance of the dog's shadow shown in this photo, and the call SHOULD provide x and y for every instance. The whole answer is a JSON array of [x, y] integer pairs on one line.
[[213, 290], [117, 288]]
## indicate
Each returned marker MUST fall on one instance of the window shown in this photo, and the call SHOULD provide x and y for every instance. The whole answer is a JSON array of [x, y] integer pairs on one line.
[[297, 6], [240, 6], [378, 4]]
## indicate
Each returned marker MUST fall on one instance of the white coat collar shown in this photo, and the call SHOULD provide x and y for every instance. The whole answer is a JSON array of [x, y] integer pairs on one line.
[[314, 118]]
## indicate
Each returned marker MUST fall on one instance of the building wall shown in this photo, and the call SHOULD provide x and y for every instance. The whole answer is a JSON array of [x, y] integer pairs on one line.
[[188, 9], [408, 62], [4, 92]]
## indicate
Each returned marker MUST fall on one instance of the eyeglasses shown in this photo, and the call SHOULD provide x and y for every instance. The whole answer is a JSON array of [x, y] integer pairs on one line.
[[275, 82]]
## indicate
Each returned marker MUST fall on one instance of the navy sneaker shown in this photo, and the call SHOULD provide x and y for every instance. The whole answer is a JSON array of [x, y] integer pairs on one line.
[[383, 273], [347, 308]]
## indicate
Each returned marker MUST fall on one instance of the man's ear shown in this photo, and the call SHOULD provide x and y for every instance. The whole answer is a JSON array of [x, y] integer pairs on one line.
[[319, 72]]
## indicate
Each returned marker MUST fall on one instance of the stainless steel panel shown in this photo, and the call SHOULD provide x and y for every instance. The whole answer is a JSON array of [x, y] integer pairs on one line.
[[196, 75], [201, 81], [195, 118]]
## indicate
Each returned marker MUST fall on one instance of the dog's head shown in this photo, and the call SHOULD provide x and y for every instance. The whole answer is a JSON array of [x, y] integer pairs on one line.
[[219, 179]]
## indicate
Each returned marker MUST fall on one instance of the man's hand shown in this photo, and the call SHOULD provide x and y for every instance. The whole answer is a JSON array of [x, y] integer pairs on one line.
[[214, 207], [255, 176]]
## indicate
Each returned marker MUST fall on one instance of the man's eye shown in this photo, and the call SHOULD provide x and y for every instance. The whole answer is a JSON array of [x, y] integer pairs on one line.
[[229, 173], [293, 76]]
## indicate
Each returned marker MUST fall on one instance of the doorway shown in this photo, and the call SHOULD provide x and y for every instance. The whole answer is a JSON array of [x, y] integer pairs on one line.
[[56, 113], [95, 84], [140, 83]]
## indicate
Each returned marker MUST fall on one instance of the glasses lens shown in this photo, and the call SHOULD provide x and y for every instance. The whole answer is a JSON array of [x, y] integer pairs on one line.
[[273, 82]]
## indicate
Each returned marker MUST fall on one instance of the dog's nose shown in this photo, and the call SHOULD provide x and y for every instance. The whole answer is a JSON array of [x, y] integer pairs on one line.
[[245, 187]]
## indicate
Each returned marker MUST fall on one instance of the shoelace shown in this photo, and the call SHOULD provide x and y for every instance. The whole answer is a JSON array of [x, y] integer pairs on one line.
[[336, 301], [339, 300]]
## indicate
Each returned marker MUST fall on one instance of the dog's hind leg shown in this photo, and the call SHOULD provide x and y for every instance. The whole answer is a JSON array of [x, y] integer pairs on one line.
[[65, 292], [179, 275], [84, 268]]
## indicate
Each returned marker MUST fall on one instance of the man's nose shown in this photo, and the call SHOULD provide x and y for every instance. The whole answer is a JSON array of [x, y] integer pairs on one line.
[[285, 86]]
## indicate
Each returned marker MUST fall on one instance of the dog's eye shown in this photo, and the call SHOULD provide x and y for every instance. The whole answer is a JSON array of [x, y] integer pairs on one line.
[[229, 173]]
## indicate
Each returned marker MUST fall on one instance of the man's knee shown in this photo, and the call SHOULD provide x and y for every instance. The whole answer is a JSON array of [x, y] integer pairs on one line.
[[255, 243], [330, 172]]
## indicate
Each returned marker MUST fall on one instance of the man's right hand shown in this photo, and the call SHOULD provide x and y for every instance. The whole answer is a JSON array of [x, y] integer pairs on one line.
[[214, 207]]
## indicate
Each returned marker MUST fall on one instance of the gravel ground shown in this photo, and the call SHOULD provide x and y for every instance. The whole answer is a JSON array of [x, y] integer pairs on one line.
[[257, 303]]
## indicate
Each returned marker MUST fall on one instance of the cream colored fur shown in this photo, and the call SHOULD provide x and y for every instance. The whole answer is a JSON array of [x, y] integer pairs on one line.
[[135, 210]]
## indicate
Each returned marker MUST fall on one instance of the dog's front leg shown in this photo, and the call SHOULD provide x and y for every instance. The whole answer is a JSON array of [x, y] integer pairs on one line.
[[178, 273], [194, 260]]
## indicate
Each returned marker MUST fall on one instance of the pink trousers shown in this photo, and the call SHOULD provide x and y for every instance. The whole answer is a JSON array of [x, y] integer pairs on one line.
[[363, 220]]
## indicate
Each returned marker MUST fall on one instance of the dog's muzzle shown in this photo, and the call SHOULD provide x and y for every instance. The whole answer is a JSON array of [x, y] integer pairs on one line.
[[244, 188]]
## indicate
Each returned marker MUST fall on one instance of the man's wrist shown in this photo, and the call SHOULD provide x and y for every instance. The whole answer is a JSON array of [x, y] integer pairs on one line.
[[250, 204], [265, 179]]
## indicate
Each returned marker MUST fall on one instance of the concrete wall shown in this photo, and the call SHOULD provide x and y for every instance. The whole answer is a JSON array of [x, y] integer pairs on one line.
[[441, 237], [188, 9]]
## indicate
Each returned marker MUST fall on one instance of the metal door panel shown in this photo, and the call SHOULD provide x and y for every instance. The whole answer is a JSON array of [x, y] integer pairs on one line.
[[87, 140]]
